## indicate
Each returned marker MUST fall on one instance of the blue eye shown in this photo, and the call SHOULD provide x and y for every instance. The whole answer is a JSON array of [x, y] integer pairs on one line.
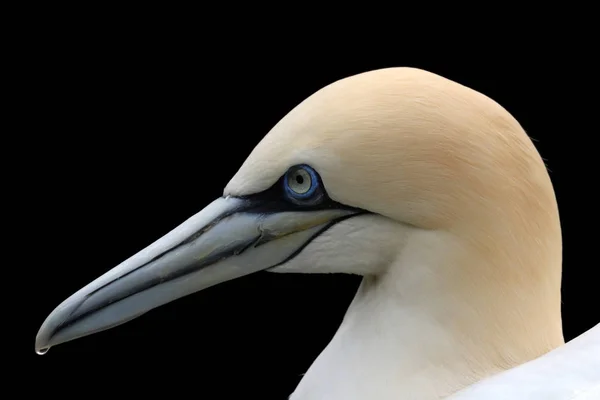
[[301, 182]]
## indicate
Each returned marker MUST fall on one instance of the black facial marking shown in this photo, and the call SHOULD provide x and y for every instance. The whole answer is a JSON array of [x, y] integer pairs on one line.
[[275, 199]]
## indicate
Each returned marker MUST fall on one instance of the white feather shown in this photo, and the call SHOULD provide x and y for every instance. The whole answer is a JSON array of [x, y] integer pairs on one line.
[[567, 373]]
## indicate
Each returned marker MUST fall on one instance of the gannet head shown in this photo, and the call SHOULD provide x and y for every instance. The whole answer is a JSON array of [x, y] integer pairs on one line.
[[396, 173]]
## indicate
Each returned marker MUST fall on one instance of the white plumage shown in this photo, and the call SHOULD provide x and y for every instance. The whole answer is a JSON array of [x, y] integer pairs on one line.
[[570, 372]]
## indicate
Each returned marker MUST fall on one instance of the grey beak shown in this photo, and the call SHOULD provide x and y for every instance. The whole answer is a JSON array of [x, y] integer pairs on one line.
[[228, 239]]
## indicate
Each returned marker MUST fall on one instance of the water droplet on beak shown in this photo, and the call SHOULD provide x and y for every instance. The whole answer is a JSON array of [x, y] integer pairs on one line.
[[42, 351]]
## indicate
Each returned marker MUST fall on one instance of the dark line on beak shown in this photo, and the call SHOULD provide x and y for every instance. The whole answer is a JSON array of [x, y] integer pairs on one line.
[[155, 282], [250, 205], [185, 241], [254, 242], [267, 202]]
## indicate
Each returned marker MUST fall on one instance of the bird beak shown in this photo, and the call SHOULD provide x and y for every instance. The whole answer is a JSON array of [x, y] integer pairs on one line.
[[230, 238]]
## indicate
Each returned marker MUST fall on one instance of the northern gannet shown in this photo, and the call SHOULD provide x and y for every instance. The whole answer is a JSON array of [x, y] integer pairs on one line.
[[428, 189]]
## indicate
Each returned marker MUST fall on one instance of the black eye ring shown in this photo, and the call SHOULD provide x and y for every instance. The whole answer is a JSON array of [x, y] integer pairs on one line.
[[301, 184]]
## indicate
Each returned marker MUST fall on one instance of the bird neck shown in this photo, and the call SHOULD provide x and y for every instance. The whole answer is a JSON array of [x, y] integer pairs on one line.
[[413, 333]]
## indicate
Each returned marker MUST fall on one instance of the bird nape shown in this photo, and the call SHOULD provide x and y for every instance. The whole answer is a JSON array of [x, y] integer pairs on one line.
[[428, 189]]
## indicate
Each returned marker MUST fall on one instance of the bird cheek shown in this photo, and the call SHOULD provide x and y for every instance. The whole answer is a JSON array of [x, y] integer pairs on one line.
[[364, 245]]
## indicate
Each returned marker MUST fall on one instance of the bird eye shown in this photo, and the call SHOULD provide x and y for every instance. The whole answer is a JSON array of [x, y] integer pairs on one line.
[[301, 182]]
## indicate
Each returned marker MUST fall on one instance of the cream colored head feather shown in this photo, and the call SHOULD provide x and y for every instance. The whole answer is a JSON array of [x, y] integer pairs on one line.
[[413, 146], [469, 232]]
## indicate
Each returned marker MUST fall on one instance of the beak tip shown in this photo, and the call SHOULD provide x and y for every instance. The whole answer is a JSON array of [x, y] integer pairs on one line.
[[42, 342], [47, 334], [43, 338]]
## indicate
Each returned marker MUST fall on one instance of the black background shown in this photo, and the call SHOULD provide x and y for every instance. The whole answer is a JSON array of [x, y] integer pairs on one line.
[[138, 123]]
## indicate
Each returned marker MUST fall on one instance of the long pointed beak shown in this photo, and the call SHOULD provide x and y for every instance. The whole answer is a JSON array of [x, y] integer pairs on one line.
[[230, 238]]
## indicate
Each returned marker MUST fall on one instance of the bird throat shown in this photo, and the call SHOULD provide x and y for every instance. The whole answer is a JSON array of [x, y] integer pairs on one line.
[[389, 348]]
